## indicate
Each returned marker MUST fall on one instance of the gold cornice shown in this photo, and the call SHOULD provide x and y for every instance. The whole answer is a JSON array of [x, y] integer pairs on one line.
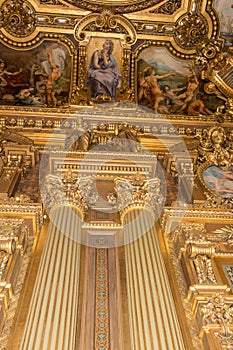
[[31, 212]]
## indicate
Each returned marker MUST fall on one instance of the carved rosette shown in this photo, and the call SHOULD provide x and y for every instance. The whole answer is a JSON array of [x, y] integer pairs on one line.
[[191, 29], [18, 17], [69, 190], [138, 193]]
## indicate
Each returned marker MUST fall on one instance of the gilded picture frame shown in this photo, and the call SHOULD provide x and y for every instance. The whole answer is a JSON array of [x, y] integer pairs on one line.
[[216, 180]]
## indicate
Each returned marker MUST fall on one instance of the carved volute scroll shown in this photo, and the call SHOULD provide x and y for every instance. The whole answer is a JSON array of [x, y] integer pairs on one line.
[[138, 193]]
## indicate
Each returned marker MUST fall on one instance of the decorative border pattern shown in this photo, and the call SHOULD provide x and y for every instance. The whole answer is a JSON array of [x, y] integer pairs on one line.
[[115, 6], [102, 301]]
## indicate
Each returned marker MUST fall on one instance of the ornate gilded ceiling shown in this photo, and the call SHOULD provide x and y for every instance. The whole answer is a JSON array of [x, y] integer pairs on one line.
[[180, 37], [124, 89]]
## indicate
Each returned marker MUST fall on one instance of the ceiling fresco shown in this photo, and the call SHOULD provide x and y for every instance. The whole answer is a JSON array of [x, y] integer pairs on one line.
[[138, 94]]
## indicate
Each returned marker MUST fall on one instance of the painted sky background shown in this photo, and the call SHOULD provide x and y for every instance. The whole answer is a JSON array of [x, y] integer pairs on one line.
[[225, 12], [161, 54]]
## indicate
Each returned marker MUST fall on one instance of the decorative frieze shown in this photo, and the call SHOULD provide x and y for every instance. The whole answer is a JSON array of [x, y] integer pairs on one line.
[[102, 301]]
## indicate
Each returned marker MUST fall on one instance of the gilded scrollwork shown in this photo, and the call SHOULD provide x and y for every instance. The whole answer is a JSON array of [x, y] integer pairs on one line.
[[207, 50], [169, 8], [212, 201], [52, 2], [18, 17], [192, 232], [216, 64], [125, 6], [217, 311], [106, 21], [13, 302], [191, 29], [11, 230], [215, 146], [215, 166]]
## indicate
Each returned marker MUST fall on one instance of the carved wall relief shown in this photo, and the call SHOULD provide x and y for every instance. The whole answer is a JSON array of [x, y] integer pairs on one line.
[[194, 251], [216, 156]]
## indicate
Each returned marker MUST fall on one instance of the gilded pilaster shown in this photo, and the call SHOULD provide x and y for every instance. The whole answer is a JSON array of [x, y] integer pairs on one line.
[[153, 320], [52, 317]]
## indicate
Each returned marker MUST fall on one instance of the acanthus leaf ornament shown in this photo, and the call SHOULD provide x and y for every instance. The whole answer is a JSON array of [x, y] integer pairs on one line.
[[225, 234], [217, 311], [69, 190], [138, 192]]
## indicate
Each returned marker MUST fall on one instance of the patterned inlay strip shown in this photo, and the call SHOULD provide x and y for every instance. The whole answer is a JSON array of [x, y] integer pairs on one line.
[[102, 301]]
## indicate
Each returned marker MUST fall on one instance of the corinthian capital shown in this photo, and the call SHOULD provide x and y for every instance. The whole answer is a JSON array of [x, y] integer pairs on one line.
[[139, 193], [69, 191]]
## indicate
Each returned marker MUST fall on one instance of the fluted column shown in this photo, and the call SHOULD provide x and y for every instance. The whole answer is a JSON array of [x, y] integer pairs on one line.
[[52, 317], [153, 320]]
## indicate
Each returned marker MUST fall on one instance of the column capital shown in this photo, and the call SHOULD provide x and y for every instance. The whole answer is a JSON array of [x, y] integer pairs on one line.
[[78, 192], [138, 192]]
